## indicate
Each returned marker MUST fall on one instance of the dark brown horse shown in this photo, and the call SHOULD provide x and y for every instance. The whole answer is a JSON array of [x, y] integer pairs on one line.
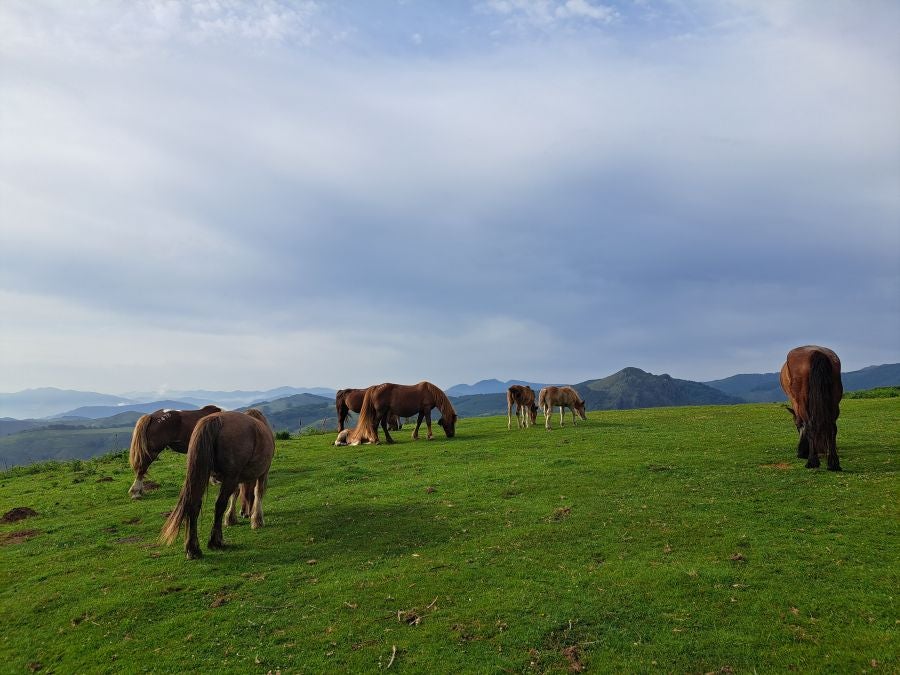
[[404, 400], [350, 400], [811, 378], [564, 397], [156, 431], [234, 448], [526, 411]]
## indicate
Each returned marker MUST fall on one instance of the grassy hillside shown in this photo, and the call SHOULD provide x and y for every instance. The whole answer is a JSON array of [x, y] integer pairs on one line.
[[679, 540]]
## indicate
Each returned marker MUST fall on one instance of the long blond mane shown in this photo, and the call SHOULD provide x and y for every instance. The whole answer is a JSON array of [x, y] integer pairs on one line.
[[139, 450], [443, 403]]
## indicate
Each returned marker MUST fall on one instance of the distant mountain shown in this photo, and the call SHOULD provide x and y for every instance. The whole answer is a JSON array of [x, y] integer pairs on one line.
[[766, 387], [635, 388], [489, 387], [46, 401], [480, 405], [297, 412], [234, 399], [100, 411]]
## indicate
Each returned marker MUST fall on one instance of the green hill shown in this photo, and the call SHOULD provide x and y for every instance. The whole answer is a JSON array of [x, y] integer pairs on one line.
[[668, 539], [635, 388]]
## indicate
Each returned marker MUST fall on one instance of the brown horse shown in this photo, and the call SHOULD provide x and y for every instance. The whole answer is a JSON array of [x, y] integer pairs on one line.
[[811, 378], [564, 397], [526, 410], [403, 400], [156, 431], [236, 449], [350, 400]]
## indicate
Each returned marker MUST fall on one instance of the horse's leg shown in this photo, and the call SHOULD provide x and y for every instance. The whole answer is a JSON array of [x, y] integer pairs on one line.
[[136, 491], [548, 410], [256, 520], [833, 462], [247, 498], [561, 418], [384, 425], [509, 415], [802, 444], [428, 423], [415, 433], [191, 544], [813, 461], [230, 515], [226, 492]]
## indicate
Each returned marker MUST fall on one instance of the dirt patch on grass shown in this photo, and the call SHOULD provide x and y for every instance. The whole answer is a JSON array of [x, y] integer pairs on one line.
[[17, 537], [133, 539], [781, 466], [561, 513], [105, 479], [17, 514]]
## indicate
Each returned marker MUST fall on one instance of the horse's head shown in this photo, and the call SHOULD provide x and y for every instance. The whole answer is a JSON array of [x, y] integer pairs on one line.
[[151, 434], [579, 408], [533, 411], [449, 427]]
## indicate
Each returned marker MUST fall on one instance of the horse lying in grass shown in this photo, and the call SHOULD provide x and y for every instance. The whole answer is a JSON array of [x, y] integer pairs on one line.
[[350, 400], [564, 397], [404, 400], [156, 431], [526, 410], [811, 378], [234, 448]]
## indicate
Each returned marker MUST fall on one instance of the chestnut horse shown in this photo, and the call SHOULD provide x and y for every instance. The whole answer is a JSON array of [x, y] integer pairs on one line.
[[156, 431], [811, 378], [523, 398], [350, 400], [403, 400], [236, 449], [564, 397]]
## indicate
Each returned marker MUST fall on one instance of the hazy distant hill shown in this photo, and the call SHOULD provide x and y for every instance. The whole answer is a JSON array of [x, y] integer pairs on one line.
[[293, 413], [489, 387], [234, 399], [46, 401], [765, 387], [94, 412]]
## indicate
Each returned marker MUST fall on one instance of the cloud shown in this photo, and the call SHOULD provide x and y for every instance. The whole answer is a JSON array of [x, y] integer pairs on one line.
[[265, 206]]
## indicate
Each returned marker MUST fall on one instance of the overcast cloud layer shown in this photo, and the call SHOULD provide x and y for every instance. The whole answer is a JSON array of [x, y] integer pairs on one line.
[[251, 194]]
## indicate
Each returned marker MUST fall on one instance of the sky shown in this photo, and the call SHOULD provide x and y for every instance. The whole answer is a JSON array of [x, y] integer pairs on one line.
[[244, 195]]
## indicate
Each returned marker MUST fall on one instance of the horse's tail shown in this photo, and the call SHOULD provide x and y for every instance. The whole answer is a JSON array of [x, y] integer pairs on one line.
[[820, 405], [199, 466], [542, 398], [139, 450], [366, 424]]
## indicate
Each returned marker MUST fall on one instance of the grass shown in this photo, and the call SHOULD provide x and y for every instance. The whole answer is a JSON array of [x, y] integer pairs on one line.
[[679, 539]]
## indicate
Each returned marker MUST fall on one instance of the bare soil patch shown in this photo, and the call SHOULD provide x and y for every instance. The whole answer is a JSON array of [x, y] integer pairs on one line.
[[16, 514], [17, 537]]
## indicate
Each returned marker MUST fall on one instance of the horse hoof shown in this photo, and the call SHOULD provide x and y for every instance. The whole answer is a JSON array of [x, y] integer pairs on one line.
[[215, 545], [193, 555], [135, 495]]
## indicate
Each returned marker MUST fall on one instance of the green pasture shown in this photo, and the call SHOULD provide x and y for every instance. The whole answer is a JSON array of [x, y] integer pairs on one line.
[[671, 540]]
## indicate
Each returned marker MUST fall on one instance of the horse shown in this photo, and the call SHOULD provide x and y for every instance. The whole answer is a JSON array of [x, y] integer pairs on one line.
[[811, 378], [235, 448], [404, 400], [564, 397], [523, 398], [156, 431], [350, 400]]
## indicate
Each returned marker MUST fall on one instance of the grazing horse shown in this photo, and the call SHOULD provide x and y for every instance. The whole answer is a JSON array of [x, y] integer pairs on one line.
[[403, 400], [811, 378], [156, 431], [350, 400], [523, 398], [564, 397], [236, 449]]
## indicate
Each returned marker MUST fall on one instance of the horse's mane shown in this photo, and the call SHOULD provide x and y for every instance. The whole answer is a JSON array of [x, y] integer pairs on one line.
[[139, 450], [443, 403]]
